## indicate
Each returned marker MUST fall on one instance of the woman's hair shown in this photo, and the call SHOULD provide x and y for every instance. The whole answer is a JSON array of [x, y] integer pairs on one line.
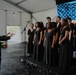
[[66, 21], [59, 17], [51, 25], [39, 24], [32, 24], [48, 18], [68, 18], [54, 24]]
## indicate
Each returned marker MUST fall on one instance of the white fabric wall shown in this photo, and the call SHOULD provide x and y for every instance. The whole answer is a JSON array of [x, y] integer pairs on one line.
[[2, 22], [25, 17], [13, 19], [41, 16]]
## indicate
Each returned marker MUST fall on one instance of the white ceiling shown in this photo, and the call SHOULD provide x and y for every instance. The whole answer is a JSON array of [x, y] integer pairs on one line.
[[37, 5], [6, 6], [31, 5]]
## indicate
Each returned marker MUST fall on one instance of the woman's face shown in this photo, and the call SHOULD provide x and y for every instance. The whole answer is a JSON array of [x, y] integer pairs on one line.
[[31, 25], [36, 25], [62, 23], [47, 26]]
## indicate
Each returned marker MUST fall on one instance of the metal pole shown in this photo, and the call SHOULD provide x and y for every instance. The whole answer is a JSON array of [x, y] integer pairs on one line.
[[5, 21]]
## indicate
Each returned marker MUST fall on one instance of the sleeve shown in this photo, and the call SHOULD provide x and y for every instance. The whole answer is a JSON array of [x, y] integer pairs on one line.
[[72, 26], [4, 38], [54, 31], [67, 29], [75, 30], [28, 32]]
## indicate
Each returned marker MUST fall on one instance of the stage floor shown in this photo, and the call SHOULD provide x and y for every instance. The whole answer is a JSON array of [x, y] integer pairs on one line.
[[11, 64], [30, 61]]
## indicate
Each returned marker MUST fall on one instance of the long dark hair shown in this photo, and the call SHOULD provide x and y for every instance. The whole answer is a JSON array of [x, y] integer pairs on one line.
[[66, 22], [54, 24], [39, 25], [51, 25]]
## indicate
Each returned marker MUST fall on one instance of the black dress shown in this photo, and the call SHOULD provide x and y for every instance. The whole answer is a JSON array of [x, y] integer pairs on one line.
[[71, 27], [48, 49], [65, 52], [55, 52], [30, 44], [74, 38], [37, 53]]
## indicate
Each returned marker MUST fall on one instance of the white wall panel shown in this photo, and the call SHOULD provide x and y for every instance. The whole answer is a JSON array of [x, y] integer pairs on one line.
[[2, 22], [25, 17], [41, 16], [13, 18]]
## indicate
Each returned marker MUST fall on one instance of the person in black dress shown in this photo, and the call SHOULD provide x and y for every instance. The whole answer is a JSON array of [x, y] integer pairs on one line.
[[48, 45], [4, 38], [55, 53], [74, 38], [30, 39], [71, 27], [65, 47], [37, 53], [58, 26]]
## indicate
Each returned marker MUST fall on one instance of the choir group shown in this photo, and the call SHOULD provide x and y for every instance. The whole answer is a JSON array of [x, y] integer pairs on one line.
[[54, 43]]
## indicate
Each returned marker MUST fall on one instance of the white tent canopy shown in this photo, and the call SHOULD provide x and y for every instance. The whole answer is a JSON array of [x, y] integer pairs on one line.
[[32, 5], [25, 10], [6, 6]]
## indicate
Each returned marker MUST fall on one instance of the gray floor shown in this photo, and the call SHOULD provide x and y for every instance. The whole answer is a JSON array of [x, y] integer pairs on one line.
[[11, 64]]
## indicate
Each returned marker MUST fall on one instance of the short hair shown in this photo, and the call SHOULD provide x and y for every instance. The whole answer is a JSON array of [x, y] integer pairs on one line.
[[48, 18], [59, 17], [68, 18]]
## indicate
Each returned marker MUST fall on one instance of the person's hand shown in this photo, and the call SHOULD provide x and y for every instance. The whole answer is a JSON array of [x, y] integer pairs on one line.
[[11, 34], [8, 33], [52, 46], [43, 44], [39, 43], [60, 43], [33, 42]]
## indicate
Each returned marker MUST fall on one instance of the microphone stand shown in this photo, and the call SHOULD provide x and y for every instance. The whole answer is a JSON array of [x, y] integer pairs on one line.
[[24, 30], [54, 18], [23, 59]]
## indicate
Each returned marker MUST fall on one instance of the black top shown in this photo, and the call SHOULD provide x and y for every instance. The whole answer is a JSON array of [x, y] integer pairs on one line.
[[71, 26], [37, 35], [59, 26], [55, 31], [49, 36], [31, 35], [62, 33], [74, 31]]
